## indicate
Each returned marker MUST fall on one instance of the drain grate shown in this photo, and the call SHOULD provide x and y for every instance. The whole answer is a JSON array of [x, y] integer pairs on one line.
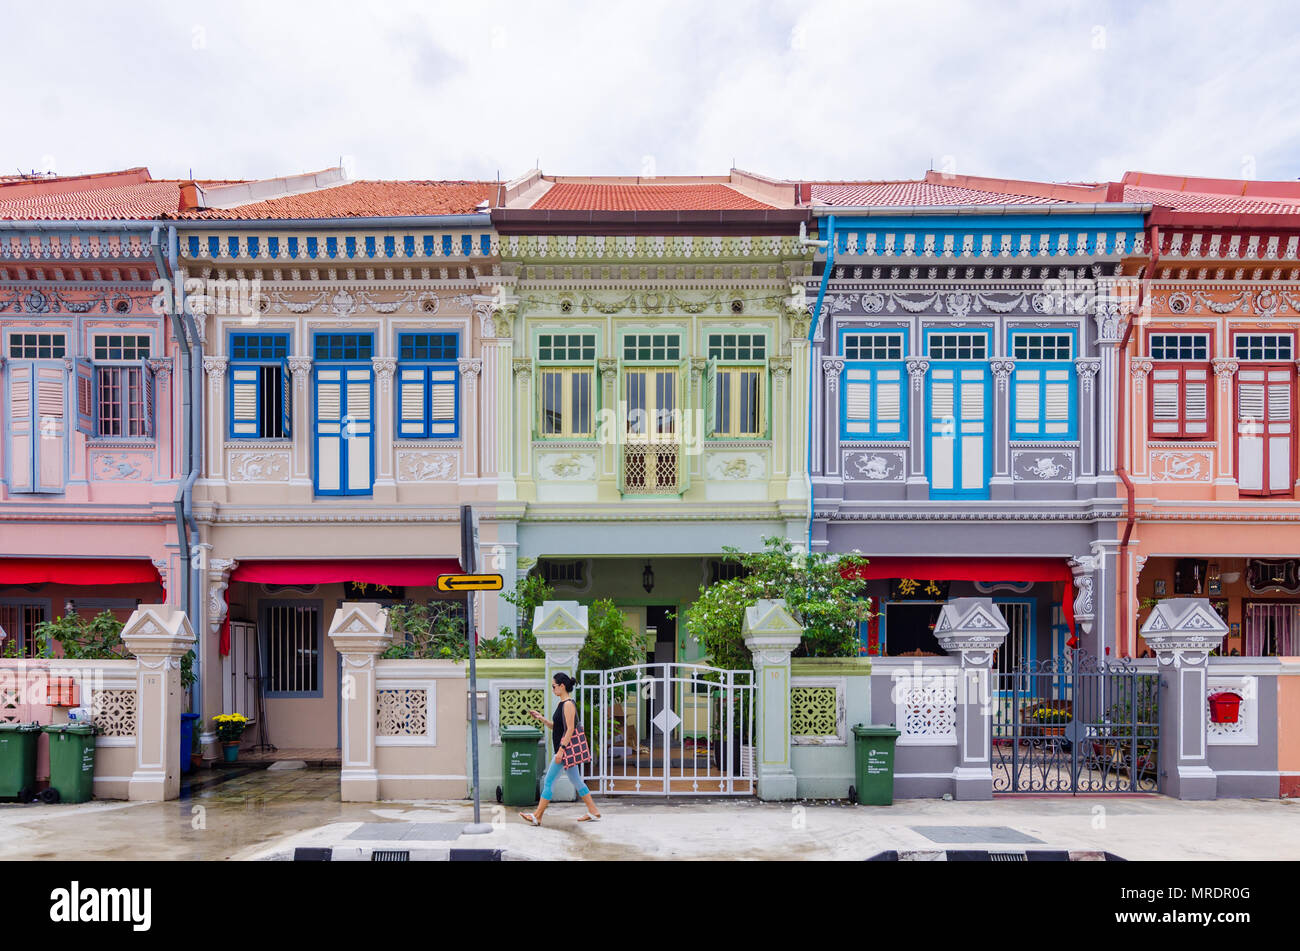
[[389, 855], [1008, 857]]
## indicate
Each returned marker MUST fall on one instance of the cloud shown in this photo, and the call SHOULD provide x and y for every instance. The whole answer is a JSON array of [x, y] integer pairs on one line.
[[823, 88]]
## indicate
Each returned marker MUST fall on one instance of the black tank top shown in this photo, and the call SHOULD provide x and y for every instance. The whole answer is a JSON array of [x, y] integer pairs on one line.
[[557, 724]]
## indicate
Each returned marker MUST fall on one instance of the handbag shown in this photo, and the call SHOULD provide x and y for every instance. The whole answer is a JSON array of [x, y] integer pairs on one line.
[[577, 750]]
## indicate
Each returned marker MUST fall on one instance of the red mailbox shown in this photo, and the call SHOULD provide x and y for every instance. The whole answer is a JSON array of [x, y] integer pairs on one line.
[[1224, 707]]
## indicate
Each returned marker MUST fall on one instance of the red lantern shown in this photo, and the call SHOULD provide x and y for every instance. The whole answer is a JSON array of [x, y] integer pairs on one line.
[[1224, 707]]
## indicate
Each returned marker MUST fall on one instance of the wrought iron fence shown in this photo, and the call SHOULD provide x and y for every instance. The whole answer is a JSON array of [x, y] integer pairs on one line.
[[1076, 725]]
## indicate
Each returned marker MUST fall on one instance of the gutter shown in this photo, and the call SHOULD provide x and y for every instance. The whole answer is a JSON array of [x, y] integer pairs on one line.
[[1121, 469], [478, 220], [91, 224], [829, 242], [962, 211]]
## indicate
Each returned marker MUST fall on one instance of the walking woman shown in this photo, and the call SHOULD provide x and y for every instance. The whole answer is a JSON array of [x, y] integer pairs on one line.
[[563, 729]]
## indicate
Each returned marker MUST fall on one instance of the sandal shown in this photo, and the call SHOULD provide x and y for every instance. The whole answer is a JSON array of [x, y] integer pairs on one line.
[[590, 817], [531, 819]]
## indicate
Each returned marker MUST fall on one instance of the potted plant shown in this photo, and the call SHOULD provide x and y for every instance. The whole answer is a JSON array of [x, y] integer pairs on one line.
[[1049, 721], [196, 744], [230, 727]]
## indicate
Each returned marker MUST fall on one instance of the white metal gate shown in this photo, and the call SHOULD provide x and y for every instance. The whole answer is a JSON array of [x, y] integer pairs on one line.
[[669, 730]]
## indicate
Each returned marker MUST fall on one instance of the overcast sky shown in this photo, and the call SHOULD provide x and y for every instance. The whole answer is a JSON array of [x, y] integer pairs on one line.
[[818, 89]]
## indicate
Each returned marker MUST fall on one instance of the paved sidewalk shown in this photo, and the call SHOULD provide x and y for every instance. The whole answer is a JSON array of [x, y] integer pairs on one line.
[[264, 814]]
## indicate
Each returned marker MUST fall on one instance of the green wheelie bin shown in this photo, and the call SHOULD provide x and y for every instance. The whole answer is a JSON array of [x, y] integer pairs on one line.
[[72, 762], [18, 760], [520, 754], [873, 758]]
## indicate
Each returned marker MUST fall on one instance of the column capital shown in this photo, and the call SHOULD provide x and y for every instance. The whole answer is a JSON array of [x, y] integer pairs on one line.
[[917, 369], [215, 367]]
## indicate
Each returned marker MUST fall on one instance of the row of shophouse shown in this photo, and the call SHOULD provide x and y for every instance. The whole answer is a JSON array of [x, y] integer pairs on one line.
[[1073, 399]]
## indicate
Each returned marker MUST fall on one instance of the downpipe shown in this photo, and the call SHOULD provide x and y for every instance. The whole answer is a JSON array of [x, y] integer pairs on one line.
[[829, 245]]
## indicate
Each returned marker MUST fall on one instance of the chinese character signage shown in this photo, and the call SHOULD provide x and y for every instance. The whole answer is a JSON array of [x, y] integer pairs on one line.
[[917, 589]]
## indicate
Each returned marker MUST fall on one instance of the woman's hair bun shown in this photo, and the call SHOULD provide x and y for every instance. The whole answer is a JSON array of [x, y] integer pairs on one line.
[[564, 680]]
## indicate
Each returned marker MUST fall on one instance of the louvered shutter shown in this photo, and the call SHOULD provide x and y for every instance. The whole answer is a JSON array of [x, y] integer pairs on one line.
[[857, 401], [411, 415], [1165, 414], [244, 401], [329, 429], [942, 425], [85, 397], [973, 428], [1280, 431], [712, 399], [359, 429], [147, 399], [21, 428], [889, 402], [1057, 402], [50, 428], [1196, 402], [286, 400], [1028, 419], [1251, 399], [442, 401]]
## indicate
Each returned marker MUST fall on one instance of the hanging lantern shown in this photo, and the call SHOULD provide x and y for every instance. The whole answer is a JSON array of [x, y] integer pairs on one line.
[[648, 578]]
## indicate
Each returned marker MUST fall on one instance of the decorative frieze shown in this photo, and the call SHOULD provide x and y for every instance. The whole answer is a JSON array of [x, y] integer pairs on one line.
[[1042, 465], [426, 466], [874, 465]]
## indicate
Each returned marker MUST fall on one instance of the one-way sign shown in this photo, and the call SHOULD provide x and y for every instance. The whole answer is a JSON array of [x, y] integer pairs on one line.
[[469, 582]]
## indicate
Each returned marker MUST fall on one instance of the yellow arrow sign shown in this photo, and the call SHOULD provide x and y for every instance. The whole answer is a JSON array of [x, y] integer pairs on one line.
[[469, 582]]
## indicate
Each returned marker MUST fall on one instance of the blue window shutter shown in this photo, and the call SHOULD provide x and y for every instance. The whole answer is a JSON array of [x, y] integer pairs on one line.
[[286, 399], [329, 456], [244, 400], [443, 401], [22, 428], [85, 397], [412, 417], [359, 430]]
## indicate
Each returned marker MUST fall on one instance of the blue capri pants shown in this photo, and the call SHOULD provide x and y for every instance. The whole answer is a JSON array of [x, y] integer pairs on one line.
[[553, 773]]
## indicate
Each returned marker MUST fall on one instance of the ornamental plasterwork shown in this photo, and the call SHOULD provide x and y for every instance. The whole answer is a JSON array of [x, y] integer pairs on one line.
[[567, 466], [917, 369], [121, 466], [215, 367], [1087, 370], [1171, 466], [470, 368], [615, 248], [1037, 465], [417, 466], [735, 467], [385, 367], [258, 466], [1225, 369], [1002, 370], [1139, 370], [874, 465], [961, 303]]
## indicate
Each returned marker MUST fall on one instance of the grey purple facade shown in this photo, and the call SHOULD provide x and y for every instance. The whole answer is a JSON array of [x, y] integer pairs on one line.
[[964, 361]]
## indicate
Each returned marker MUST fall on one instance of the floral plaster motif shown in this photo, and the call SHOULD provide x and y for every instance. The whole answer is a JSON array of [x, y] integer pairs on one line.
[[1174, 466], [567, 466], [873, 466], [259, 466], [735, 466], [122, 466], [426, 466], [1041, 466]]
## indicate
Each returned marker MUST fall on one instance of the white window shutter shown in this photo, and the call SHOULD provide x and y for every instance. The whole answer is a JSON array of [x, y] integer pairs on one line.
[[243, 408], [442, 402], [410, 401]]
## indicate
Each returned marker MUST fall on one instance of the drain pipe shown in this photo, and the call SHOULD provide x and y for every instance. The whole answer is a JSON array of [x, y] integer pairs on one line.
[[1123, 430], [829, 245], [185, 527]]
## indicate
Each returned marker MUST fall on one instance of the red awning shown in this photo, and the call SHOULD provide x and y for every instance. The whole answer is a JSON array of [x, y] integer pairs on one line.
[[86, 571], [976, 569], [392, 571]]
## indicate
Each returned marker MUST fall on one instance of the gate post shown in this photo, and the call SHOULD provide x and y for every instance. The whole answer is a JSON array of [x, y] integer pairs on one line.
[[973, 629], [560, 628], [771, 634], [1182, 632], [158, 636], [360, 634]]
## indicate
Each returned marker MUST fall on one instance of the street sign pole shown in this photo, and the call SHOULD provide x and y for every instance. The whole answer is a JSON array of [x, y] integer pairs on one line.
[[467, 563]]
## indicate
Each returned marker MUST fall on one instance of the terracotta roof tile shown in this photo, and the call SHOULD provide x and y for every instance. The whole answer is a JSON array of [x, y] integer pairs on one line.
[[1210, 202], [913, 193], [582, 196], [363, 199], [145, 200]]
